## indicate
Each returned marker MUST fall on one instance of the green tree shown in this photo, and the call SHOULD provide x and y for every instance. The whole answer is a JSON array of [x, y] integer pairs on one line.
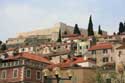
[[90, 27], [0, 42], [93, 41], [59, 37], [99, 30], [124, 26], [3, 47], [121, 27], [76, 30], [99, 78]]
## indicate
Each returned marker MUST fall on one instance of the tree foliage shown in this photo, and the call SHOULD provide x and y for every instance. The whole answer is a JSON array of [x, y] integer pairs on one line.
[[99, 78], [0, 42], [76, 30], [59, 37], [90, 27], [3, 46], [99, 30], [121, 28]]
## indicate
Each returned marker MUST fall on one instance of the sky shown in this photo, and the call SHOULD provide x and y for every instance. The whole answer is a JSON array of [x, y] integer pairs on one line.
[[27, 15]]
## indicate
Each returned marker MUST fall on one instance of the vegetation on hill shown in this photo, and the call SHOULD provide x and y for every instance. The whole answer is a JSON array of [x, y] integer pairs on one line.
[[76, 30], [90, 27], [121, 28], [3, 46], [99, 30], [59, 37]]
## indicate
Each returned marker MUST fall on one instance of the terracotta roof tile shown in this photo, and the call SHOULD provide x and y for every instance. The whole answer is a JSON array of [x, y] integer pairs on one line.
[[69, 62], [29, 56], [121, 47], [101, 46]]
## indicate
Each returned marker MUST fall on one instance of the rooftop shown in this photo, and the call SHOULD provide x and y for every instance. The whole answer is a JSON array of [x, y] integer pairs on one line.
[[30, 56], [68, 62], [121, 47], [101, 46]]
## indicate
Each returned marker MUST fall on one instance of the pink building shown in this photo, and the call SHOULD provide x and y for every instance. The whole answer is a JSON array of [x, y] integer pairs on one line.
[[22, 68]]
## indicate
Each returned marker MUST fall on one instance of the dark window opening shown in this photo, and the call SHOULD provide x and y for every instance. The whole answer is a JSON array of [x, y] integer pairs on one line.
[[54, 48], [105, 59], [105, 51], [38, 76], [93, 52]]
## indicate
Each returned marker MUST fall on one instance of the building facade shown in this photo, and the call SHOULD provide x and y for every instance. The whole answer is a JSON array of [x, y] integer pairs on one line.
[[22, 68], [103, 53]]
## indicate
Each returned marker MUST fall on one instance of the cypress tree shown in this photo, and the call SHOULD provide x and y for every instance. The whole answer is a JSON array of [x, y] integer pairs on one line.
[[90, 27], [0, 42], [76, 30], [59, 37], [3, 47], [99, 30], [124, 26], [121, 28]]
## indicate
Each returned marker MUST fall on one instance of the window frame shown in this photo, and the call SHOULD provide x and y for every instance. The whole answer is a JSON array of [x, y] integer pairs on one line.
[[80, 47], [27, 74], [93, 52], [14, 72], [105, 59], [37, 74], [5, 74], [105, 51]]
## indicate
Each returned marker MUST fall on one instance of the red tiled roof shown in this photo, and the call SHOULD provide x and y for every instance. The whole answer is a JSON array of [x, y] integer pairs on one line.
[[29, 56], [121, 47], [101, 46], [69, 62]]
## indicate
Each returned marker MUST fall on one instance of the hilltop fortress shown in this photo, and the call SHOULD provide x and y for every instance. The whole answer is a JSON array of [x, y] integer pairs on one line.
[[53, 31], [46, 33]]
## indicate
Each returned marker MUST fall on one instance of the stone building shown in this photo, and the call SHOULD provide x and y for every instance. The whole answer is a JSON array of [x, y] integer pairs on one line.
[[102, 52]]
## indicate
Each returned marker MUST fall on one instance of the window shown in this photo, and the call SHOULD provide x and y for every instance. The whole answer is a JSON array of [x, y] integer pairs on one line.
[[23, 49], [4, 64], [105, 51], [119, 53], [93, 52], [28, 73], [15, 73], [8, 64], [4, 74], [80, 47], [87, 46], [111, 59], [105, 59], [16, 63], [58, 46], [54, 48], [38, 75]]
